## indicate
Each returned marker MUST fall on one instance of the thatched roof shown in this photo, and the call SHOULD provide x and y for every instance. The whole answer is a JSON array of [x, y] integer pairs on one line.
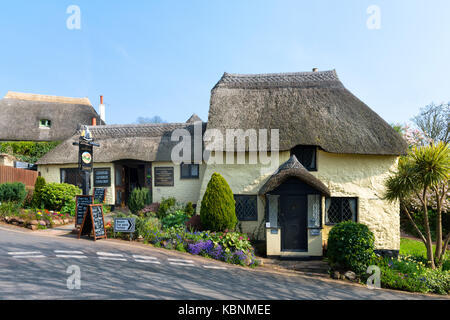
[[194, 118], [143, 142], [309, 108], [20, 114], [293, 169]]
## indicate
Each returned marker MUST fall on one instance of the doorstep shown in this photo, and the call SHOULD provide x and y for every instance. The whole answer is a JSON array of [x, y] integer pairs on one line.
[[310, 267]]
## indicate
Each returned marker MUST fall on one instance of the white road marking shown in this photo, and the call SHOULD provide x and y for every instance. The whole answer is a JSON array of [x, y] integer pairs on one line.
[[181, 260], [68, 252], [71, 256], [29, 257], [214, 267], [110, 258], [148, 261], [182, 264], [24, 253], [107, 254], [144, 257]]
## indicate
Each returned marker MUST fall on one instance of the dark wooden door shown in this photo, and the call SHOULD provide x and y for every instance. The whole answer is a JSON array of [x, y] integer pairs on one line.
[[120, 185], [293, 221]]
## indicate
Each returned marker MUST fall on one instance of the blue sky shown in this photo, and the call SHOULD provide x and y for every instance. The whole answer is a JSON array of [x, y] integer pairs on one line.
[[163, 57]]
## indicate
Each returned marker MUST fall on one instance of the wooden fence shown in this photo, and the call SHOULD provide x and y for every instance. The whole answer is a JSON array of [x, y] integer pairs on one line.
[[10, 174]]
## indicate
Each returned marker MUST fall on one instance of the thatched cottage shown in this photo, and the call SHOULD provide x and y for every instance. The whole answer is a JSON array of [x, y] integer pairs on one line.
[[334, 154], [35, 117]]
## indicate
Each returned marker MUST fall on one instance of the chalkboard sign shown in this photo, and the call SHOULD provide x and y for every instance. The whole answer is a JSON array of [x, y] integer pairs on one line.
[[102, 177], [93, 223], [82, 203], [164, 177], [100, 195]]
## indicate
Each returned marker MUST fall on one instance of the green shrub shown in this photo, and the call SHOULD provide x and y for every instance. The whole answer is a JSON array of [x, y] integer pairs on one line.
[[146, 225], [176, 219], [189, 209], [38, 185], [350, 247], [55, 196], [165, 205], [28, 202], [27, 151], [8, 209], [13, 192], [70, 208], [139, 198], [218, 210]]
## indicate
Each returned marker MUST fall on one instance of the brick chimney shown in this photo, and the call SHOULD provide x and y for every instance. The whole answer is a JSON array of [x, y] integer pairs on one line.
[[102, 110]]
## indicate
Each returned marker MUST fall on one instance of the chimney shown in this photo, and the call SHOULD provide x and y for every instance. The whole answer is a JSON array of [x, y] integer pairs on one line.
[[102, 110], [94, 122], [315, 70]]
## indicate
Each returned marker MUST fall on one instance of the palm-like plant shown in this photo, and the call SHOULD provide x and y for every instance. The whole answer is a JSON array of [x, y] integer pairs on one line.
[[424, 169]]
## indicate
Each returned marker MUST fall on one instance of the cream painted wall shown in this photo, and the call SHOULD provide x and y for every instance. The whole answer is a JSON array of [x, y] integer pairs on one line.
[[363, 176], [359, 176], [184, 190], [52, 173], [244, 179]]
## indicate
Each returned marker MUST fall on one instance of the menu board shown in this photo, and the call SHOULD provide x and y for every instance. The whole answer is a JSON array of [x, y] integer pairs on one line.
[[82, 203], [93, 223], [102, 177], [164, 177], [100, 195]]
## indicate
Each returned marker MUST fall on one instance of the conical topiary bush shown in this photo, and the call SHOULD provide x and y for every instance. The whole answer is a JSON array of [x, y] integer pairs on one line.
[[218, 211]]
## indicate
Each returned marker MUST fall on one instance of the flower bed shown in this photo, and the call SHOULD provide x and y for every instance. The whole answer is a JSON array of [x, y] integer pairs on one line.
[[37, 219], [230, 247], [410, 273]]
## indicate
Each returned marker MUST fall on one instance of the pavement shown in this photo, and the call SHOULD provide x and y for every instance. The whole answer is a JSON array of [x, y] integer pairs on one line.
[[44, 265]]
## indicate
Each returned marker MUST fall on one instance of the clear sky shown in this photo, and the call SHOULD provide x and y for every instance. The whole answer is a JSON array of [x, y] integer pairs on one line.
[[163, 57]]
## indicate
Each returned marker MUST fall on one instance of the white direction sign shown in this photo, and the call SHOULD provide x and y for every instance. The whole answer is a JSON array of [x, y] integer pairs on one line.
[[125, 225]]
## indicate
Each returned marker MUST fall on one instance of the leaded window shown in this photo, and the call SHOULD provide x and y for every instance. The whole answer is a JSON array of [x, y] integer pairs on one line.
[[246, 207], [73, 176], [341, 209]]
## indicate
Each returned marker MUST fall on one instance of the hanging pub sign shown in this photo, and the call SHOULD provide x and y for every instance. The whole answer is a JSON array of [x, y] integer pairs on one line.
[[85, 157], [93, 223], [82, 203]]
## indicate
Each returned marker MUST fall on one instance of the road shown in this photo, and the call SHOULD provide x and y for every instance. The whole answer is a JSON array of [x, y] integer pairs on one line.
[[35, 267]]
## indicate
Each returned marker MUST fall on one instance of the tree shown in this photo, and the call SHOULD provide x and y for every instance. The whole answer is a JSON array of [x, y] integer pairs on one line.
[[38, 185], [218, 210], [155, 119], [434, 121], [425, 169]]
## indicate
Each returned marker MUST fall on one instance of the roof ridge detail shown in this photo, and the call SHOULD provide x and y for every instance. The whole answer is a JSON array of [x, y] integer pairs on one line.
[[291, 79], [46, 98]]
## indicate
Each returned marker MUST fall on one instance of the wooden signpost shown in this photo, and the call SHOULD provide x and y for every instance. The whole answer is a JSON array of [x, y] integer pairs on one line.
[[82, 203], [100, 194], [93, 223]]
